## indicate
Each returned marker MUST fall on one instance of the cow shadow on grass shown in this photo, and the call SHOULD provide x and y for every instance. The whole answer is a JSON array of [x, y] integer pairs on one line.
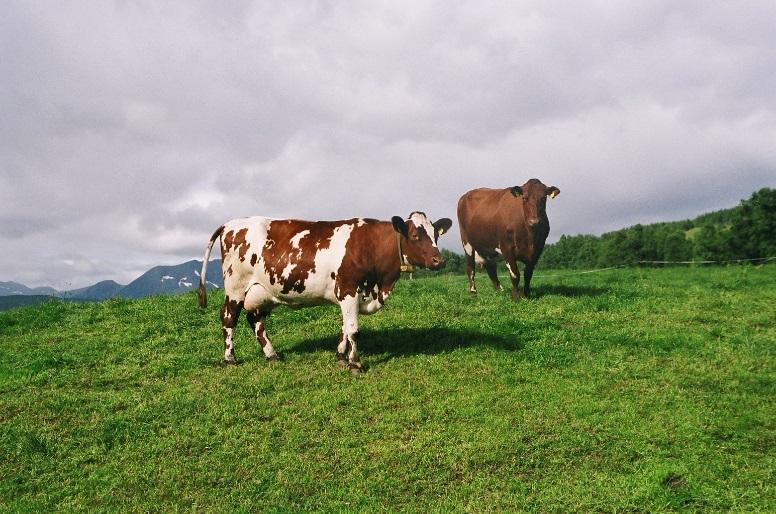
[[570, 291], [380, 345]]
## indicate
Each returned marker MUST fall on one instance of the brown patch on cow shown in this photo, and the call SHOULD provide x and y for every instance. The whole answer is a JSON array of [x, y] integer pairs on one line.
[[229, 270], [371, 259], [278, 252], [232, 240], [228, 240], [226, 243], [240, 243], [254, 258], [230, 311]]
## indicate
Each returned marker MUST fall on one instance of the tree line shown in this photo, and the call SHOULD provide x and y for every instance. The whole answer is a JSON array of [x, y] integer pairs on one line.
[[747, 231]]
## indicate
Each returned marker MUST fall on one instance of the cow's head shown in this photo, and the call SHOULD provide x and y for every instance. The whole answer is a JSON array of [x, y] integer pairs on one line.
[[534, 196], [419, 239]]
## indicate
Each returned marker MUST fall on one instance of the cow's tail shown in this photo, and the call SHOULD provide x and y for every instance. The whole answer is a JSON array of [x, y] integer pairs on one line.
[[202, 291]]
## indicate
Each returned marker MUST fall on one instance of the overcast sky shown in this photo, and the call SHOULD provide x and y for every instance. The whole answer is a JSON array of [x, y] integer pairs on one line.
[[130, 130]]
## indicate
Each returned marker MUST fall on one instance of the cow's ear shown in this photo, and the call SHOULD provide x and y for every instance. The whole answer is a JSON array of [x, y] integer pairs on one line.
[[442, 225], [399, 225], [516, 191], [553, 191]]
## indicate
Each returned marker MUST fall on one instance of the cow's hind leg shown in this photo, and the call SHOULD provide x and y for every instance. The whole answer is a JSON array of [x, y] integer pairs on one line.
[[490, 267], [348, 342], [229, 314], [470, 272], [256, 321]]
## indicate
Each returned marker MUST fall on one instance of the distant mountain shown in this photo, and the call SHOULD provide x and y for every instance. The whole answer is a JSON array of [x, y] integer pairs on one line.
[[15, 288], [173, 279], [158, 280], [98, 291]]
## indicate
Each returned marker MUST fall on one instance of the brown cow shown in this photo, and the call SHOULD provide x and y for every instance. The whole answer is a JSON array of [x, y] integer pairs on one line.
[[352, 263], [511, 223]]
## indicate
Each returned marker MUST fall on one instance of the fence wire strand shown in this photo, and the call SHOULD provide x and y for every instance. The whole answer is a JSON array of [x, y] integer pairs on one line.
[[761, 260]]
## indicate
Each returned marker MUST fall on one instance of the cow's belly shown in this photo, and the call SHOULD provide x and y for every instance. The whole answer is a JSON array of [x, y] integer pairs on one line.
[[485, 254], [260, 291]]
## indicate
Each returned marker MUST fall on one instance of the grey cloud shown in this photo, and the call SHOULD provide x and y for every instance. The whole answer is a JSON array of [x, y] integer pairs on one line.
[[130, 130]]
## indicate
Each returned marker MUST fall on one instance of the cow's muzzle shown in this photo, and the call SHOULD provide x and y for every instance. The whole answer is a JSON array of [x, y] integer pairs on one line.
[[437, 262], [533, 222]]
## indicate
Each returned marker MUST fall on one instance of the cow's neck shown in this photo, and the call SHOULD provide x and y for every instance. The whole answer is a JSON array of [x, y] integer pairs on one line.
[[387, 259]]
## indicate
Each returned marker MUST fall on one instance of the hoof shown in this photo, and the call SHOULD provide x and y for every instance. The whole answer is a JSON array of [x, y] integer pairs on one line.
[[472, 293], [273, 358], [229, 362], [356, 368], [342, 361]]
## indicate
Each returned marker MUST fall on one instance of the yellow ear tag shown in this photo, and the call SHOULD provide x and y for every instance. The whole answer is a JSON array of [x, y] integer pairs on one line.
[[407, 268], [554, 193], [441, 231]]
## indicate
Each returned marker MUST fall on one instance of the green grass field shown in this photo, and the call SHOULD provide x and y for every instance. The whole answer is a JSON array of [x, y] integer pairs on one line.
[[625, 390]]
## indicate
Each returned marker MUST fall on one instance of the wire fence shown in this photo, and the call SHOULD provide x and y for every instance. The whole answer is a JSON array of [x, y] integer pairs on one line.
[[760, 260]]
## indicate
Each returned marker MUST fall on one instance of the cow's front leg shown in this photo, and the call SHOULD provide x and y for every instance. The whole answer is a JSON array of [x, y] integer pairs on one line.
[[490, 267], [348, 342], [527, 274], [256, 321], [229, 314], [343, 348], [514, 273]]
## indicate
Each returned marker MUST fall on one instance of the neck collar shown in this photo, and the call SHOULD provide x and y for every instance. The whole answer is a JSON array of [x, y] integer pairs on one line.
[[404, 266]]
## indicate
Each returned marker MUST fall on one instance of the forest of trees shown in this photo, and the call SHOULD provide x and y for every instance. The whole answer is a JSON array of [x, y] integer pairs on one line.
[[747, 231]]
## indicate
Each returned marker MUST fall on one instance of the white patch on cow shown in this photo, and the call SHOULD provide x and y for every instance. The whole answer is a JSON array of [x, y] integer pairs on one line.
[[372, 305], [287, 271], [361, 222], [342, 345], [468, 249], [236, 284], [327, 261], [229, 345], [420, 220], [511, 271], [298, 238], [478, 258], [498, 251], [350, 307]]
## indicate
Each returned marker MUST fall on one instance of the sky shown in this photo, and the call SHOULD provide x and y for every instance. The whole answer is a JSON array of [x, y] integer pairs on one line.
[[130, 130]]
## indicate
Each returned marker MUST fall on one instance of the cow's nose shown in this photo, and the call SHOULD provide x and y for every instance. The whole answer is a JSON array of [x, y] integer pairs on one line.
[[533, 222], [437, 261]]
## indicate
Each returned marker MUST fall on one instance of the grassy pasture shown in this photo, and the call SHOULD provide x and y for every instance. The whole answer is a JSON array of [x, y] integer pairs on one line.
[[625, 390]]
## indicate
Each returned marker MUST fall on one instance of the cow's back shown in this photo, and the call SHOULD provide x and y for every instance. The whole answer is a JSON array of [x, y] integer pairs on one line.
[[484, 217]]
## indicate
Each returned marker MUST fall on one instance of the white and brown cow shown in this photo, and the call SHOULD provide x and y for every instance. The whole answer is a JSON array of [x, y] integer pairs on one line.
[[353, 263]]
